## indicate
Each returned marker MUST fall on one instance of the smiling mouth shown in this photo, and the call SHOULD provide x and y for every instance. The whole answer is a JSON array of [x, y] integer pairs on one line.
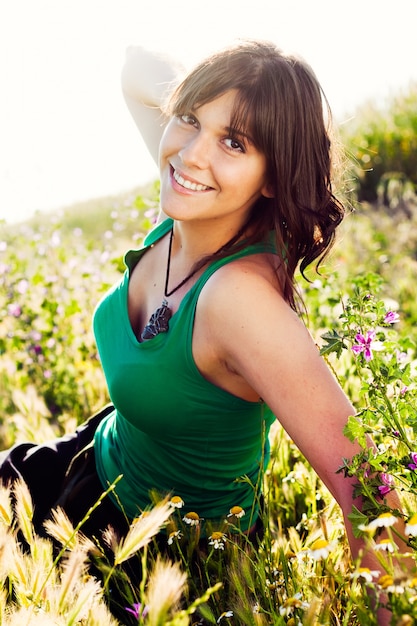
[[187, 184]]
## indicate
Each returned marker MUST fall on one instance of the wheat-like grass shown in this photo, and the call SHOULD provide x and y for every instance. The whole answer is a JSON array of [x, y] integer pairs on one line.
[[165, 587], [141, 532], [23, 509], [6, 511]]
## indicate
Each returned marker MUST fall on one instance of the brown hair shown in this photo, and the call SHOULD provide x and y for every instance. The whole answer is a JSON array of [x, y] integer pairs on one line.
[[280, 102]]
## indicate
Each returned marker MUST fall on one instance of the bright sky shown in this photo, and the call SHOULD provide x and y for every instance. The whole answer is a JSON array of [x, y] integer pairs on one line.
[[65, 133]]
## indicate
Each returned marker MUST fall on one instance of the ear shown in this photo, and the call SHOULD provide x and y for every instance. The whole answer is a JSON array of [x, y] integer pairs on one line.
[[267, 191]]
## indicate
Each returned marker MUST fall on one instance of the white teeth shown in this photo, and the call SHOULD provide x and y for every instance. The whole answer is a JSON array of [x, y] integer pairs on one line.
[[188, 184]]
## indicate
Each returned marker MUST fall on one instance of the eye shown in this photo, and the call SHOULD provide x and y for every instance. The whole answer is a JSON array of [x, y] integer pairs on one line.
[[234, 144], [187, 118]]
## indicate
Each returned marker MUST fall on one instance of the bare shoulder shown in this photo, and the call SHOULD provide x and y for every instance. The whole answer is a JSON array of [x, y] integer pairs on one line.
[[259, 338], [244, 295]]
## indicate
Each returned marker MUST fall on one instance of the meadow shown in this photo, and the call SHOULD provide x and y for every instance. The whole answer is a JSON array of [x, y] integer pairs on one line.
[[362, 312]]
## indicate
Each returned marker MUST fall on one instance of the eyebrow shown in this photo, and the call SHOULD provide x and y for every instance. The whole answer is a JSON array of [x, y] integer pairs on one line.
[[235, 132]]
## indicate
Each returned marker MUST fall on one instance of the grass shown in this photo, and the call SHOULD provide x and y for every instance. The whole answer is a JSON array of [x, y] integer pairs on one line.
[[53, 270]]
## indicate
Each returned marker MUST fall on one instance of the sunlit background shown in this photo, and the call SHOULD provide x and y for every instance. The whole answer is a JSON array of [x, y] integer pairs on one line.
[[65, 133]]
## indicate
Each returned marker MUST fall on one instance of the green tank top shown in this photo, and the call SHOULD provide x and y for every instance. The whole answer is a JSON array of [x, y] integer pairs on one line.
[[173, 431]]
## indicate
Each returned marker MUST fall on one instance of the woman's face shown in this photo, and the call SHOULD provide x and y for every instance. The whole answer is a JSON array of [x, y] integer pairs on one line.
[[208, 170]]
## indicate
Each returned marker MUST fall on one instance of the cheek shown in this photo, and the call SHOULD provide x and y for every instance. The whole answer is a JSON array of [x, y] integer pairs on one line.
[[166, 144]]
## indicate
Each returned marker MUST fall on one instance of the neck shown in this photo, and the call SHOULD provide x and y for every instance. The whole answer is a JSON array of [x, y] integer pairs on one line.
[[195, 241]]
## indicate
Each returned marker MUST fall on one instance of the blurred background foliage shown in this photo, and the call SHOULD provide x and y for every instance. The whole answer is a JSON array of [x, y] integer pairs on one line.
[[381, 140]]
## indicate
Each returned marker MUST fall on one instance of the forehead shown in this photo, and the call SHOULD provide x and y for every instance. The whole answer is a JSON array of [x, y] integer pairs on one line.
[[224, 103], [230, 109]]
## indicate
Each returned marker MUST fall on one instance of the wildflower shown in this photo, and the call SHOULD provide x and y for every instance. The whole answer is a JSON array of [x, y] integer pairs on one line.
[[192, 518], [224, 614], [176, 534], [22, 286], [391, 317], [364, 573], [387, 483], [236, 511], [320, 549], [382, 521], [401, 356], [413, 464], [217, 540], [403, 390], [364, 344], [14, 310], [385, 581], [291, 604], [386, 545], [137, 610], [176, 502], [411, 526]]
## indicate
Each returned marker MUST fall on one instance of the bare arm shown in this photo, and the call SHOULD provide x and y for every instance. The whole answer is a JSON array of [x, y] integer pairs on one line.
[[270, 348], [147, 79]]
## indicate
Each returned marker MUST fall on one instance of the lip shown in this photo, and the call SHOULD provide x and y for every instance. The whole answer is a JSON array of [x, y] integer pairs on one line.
[[178, 178]]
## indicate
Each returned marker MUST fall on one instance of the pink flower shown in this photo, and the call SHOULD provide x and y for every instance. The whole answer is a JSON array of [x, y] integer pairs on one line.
[[14, 309], [391, 317], [137, 610], [387, 484], [413, 464], [364, 344]]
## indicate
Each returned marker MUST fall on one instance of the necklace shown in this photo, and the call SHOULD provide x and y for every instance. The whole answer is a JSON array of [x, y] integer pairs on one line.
[[159, 320]]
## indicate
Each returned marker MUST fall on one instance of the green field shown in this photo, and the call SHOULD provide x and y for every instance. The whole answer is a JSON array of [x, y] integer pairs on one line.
[[53, 270]]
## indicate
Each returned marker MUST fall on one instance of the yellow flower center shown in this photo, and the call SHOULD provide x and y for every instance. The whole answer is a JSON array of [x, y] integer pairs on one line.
[[192, 515], [385, 581], [236, 510], [177, 501], [216, 536], [319, 544]]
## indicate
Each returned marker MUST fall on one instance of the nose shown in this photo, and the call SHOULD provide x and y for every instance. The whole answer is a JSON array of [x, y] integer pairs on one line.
[[195, 152]]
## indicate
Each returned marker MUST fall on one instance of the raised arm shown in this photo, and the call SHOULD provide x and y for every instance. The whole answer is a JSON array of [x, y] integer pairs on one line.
[[147, 79]]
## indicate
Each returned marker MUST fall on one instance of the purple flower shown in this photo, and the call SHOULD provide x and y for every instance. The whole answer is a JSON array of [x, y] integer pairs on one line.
[[364, 344], [391, 317], [137, 610], [401, 356], [413, 464], [14, 309], [387, 483]]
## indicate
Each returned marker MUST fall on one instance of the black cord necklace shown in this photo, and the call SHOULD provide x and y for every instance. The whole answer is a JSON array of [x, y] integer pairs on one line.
[[159, 320]]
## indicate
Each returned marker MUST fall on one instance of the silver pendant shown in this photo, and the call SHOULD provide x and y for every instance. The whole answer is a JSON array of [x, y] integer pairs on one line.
[[158, 322]]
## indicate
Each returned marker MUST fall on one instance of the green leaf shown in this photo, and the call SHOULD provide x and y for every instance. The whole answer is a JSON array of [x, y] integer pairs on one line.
[[334, 343], [357, 519], [355, 431]]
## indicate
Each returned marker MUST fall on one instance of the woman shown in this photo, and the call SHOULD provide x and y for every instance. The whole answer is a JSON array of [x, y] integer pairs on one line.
[[200, 342]]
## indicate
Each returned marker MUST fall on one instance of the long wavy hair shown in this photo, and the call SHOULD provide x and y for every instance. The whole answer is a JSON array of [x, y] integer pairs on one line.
[[282, 106]]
